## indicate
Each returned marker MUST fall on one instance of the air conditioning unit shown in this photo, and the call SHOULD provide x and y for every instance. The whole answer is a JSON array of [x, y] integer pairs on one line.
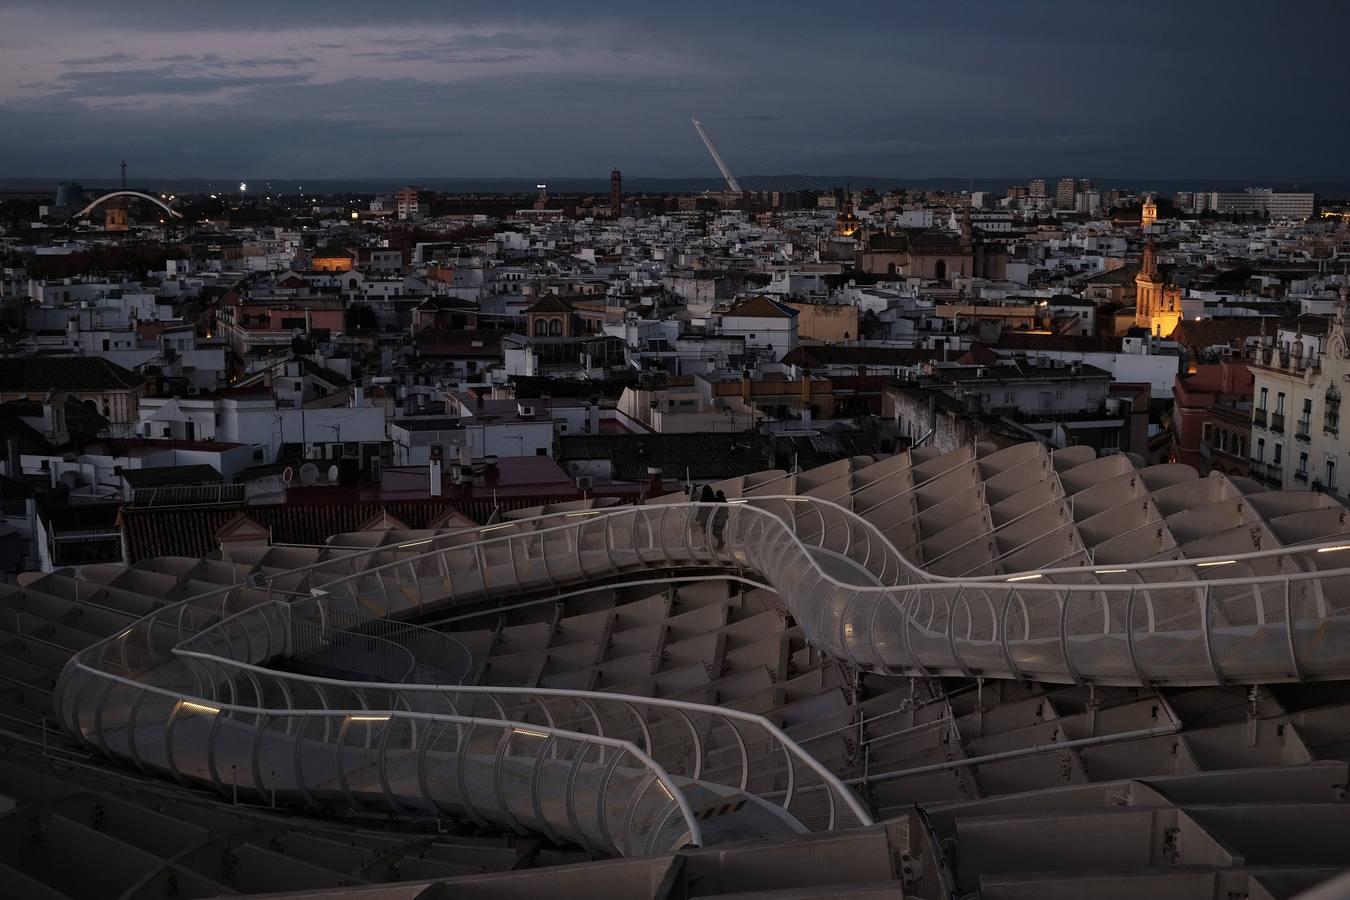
[[526, 411], [585, 482]]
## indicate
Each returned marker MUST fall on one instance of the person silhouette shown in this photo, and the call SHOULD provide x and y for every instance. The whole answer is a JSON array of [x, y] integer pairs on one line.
[[705, 512], [719, 520]]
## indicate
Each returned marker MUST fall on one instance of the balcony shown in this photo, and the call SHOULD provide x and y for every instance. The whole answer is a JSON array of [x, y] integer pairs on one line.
[[1282, 360], [1277, 422], [1210, 452], [1270, 474], [1259, 417], [1301, 475], [1301, 430]]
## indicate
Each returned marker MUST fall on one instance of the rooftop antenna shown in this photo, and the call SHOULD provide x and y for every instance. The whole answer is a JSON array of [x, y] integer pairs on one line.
[[124, 174], [732, 184]]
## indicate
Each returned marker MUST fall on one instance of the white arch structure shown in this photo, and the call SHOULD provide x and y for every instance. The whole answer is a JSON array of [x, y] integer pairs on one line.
[[106, 197]]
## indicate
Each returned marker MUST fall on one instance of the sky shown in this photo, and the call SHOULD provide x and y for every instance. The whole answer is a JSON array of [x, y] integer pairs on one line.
[[459, 88]]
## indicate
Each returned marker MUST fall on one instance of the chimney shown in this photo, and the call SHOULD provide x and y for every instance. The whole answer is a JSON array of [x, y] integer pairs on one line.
[[434, 470]]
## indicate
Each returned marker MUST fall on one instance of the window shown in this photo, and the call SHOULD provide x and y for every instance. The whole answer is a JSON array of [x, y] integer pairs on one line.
[[1009, 398], [1264, 392], [1331, 475], [1111, 439], [1260, 449], [1303, 463], [1307, 407], [1279, 402], [1207, 432], [1276, 458], [1059, 394], [1331, 421]]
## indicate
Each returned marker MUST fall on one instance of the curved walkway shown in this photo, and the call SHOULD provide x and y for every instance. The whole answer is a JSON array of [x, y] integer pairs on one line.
[[219, 717]]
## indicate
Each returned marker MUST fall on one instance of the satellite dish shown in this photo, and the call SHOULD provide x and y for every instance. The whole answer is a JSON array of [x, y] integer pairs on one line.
[[287, 475], [332, 474], [309, 474]]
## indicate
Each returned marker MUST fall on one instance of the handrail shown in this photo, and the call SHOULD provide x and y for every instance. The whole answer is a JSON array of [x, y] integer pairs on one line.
[[913, 601], [787, 744], [929, 580], [669, 787], [892, 618], [920, 573]]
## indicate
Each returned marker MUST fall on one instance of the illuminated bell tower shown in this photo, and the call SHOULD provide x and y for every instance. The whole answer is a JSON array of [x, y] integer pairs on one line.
[[1157, 306], [1149, 214]]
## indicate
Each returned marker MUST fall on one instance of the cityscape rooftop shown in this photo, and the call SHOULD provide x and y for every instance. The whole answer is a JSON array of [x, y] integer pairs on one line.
[[650, 526]]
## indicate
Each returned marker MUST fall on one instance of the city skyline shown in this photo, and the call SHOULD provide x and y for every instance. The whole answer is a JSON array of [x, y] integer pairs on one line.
[[345, 90]]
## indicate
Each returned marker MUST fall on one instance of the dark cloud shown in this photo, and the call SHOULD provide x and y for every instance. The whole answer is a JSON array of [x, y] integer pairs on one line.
[[99, 60], [159, 82], [439, 56], [310, 88], [207, 61]]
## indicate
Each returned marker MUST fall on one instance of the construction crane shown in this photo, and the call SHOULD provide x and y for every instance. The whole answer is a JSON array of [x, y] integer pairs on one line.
[[732, 184]]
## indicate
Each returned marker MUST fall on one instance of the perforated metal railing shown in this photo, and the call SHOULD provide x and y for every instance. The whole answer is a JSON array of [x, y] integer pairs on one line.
[[605, 794], [729, 749], [857, 598], [854, 595], [131, 697]]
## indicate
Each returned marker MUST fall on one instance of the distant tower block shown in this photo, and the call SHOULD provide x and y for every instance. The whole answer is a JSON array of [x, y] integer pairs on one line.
[[615, 194], [1149, 215]]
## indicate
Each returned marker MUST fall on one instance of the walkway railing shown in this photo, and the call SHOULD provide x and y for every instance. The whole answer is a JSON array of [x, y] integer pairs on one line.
[[602, 793], [731, 749], [854, 596], [857, 598]]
